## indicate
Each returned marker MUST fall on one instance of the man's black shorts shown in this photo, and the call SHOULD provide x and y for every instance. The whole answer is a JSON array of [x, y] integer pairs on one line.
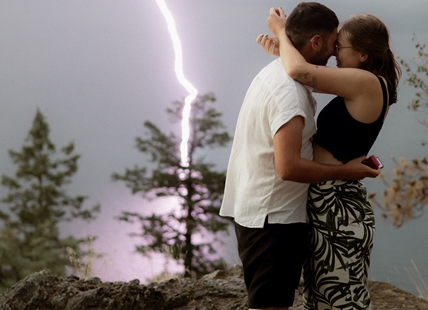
[[272, 259]]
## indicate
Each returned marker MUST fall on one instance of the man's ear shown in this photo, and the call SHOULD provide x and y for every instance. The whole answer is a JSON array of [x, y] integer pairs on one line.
[[316, 43]]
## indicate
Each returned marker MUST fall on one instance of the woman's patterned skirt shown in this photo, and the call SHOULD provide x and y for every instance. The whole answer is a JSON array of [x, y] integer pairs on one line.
[[342, 227]]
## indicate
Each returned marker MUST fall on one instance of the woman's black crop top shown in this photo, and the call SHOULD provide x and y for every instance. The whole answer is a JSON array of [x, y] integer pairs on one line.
[[342, 135]]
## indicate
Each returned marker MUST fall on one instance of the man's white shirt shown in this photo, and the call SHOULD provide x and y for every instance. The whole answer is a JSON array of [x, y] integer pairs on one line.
[[253, 188]]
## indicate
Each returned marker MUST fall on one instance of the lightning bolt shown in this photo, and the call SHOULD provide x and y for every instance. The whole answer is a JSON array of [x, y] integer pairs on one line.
[[193, 92]]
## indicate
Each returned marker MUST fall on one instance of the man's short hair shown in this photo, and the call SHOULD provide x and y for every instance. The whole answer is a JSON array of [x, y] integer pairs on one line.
[[309, 19]]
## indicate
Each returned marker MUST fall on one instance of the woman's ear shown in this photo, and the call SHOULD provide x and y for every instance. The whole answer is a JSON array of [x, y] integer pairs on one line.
[[363, 57], [316, 43]]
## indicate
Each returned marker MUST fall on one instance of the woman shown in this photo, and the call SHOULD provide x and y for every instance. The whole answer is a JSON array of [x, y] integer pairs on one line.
[[340, 217]]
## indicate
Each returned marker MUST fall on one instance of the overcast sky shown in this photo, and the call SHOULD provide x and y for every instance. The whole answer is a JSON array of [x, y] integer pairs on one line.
[[98, 69]]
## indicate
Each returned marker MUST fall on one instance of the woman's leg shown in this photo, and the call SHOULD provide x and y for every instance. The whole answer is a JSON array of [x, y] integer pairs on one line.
[[342, 228]]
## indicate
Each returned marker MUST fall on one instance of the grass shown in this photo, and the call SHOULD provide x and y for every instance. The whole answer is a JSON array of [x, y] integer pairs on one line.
[[418, 282], [83, 269]]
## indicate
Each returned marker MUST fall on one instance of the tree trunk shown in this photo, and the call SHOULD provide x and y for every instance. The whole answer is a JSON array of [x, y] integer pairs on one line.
[[190, 223]]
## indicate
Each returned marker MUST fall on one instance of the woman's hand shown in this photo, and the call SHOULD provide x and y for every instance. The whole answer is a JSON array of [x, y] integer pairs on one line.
[[276, 20], [269, 44]]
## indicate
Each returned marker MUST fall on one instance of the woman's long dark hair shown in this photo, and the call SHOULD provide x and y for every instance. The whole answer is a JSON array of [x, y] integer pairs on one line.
[[369, 35]]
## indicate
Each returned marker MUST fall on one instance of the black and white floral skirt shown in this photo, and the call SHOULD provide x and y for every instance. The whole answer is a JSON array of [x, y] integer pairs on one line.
[[342, 227]]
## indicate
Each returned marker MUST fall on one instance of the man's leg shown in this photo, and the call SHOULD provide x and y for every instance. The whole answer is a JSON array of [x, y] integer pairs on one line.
[[272, 259]]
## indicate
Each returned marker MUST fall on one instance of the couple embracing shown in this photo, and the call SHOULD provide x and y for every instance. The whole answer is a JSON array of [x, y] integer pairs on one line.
[[293, 185]]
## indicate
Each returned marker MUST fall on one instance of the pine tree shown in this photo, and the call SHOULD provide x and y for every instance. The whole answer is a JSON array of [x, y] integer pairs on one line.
[[198, 188], [38, 203]]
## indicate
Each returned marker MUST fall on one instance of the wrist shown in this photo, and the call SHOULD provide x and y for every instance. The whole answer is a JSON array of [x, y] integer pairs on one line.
[[280, 33]]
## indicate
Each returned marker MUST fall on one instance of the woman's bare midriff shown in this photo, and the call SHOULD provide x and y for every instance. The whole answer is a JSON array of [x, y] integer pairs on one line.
[[322, 156]]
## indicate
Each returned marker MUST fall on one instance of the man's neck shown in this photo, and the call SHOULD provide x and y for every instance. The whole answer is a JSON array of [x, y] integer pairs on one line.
[[307, 52]]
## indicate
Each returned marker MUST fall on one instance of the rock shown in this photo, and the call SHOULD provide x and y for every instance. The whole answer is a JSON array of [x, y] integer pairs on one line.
[[222, 289], [42, 290]]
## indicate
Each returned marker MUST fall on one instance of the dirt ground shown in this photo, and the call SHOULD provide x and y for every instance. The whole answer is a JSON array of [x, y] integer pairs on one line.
[[384, 297], [388, 297]]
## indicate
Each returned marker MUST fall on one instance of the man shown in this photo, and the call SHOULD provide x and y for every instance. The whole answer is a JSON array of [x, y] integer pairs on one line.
[[271, 163]]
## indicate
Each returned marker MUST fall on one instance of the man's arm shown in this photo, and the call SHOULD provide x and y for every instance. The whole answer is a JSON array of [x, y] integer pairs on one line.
[[290, 166]]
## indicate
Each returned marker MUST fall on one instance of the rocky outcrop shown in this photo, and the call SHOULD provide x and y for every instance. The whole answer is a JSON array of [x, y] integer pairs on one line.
[[223, 290], [42, 290]]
